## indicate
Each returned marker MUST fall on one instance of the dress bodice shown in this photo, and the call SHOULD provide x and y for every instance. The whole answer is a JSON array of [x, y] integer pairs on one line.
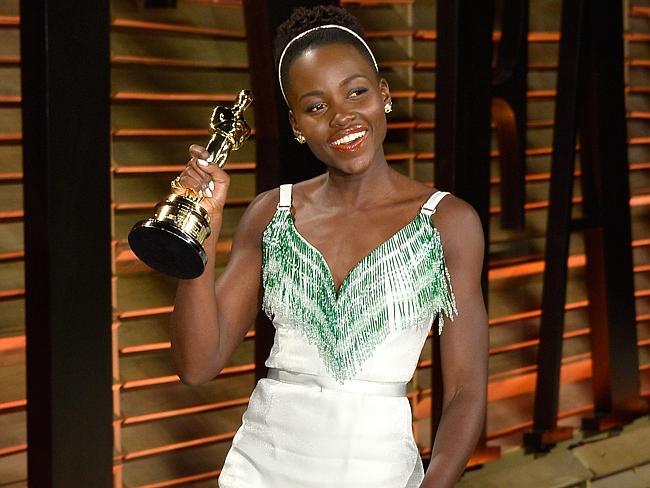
[[372, 328]]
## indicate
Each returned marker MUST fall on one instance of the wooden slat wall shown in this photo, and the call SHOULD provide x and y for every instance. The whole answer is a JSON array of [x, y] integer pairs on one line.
[[169, 68], [13, 433]]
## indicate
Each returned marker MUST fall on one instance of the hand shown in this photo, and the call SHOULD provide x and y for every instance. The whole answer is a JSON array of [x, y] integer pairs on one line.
[[207, 180]]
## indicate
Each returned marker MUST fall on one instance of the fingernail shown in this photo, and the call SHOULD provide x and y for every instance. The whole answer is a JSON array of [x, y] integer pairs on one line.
[[211, 185], [200, 193], [202, 162], [210, 158], [208, 192]]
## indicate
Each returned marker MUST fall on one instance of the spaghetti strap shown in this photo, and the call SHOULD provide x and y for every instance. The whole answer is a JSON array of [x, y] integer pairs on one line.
[[285, 196], [430, 205]]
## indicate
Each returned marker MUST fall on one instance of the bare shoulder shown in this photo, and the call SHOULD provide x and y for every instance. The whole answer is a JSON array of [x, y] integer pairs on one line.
[[459, 226], [256, 217], [304, 191]]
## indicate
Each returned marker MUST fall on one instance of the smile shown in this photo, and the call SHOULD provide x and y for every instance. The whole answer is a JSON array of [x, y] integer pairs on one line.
[[349, 138], [350, 142]]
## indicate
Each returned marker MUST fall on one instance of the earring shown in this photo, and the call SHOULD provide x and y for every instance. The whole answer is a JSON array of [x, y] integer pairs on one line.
[[300, 138], [388, 108]]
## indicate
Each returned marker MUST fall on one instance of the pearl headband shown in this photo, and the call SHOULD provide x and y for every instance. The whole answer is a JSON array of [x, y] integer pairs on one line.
[[303, 34]]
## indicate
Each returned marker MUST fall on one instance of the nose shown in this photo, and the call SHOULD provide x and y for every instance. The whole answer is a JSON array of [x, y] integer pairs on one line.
[[342, 117]]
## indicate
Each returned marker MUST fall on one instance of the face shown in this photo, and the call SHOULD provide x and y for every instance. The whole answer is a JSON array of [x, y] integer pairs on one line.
[[338, 105]]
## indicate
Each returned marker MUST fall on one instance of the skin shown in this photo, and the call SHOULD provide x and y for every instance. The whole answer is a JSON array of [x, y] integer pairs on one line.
[[332, 89]]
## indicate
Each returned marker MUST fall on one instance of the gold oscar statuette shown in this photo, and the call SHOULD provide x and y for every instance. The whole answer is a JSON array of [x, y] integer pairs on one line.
[[172, 240]]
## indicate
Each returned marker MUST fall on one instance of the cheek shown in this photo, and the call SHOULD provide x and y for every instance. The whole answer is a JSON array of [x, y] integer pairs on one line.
[[313, 126], [379, 118], [375, 110]]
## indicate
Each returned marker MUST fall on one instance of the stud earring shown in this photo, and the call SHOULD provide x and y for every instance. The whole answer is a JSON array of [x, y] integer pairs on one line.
[[388, 107], [300, 138]]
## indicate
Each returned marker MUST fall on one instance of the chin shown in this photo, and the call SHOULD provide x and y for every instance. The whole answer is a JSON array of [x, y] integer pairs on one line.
[[356, 164], [350, 167]]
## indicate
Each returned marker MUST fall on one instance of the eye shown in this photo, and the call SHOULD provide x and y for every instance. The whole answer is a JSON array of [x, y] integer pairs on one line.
[[315, 107], [357, 92]]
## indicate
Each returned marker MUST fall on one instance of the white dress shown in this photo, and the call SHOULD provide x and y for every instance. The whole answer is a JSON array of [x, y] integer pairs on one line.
[[333, 413]]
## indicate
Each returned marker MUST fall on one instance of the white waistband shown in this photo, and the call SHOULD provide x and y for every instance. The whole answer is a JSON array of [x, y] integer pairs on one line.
[[384, 388]]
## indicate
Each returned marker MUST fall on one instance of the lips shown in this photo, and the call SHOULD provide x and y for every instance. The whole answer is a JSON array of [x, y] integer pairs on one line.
[[349, 139]]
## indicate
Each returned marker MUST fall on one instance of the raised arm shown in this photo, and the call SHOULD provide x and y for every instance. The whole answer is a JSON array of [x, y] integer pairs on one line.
[[463, 345], [210, 319]]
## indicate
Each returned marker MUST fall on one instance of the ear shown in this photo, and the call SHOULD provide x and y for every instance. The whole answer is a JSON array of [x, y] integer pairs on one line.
[[293, 122], [384, 90]]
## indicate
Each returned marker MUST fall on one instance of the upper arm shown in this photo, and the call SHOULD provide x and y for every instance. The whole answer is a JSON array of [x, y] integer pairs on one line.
[[464, 342], [238, 288]]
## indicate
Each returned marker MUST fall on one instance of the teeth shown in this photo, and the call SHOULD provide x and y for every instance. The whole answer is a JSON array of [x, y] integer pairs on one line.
[[349, 138]]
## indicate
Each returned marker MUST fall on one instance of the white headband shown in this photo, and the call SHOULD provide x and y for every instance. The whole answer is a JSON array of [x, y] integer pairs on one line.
[[328, 26]]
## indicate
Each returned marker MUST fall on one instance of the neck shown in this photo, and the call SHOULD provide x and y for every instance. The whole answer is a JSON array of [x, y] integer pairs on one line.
[[361, 190]]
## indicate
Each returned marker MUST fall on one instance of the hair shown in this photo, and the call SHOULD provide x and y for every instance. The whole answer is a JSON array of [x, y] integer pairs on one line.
[[303, 19]]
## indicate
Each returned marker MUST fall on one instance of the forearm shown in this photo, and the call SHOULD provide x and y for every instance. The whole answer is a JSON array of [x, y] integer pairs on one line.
[[460, 427], [194, 321]]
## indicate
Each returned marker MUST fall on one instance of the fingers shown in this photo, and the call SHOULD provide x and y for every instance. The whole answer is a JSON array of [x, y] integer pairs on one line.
[[190, 178], [205, 179], [212, 172], [198, 152], [202, 176]]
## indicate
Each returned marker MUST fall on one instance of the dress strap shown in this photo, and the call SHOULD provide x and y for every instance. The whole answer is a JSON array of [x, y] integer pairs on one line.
[[430, 205], [285, 196]]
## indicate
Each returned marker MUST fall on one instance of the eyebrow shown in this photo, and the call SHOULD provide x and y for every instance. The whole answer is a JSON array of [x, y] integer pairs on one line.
[[344, 82]]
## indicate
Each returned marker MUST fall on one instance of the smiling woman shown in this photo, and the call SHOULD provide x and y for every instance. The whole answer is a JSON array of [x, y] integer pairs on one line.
[[341, 115], [353, 271]]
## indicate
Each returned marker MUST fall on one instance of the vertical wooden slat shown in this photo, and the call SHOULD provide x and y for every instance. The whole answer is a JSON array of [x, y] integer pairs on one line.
[[545, 430], [603, 141], [509, 86], [65, 112]]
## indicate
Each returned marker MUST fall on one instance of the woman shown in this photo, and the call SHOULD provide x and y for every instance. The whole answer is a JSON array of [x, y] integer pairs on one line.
[[350, 267]]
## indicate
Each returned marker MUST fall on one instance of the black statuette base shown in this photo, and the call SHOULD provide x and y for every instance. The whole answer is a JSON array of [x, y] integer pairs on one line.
[[165, 248]]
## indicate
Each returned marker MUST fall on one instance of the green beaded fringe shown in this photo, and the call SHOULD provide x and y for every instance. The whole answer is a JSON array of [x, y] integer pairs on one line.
[[398, 285]]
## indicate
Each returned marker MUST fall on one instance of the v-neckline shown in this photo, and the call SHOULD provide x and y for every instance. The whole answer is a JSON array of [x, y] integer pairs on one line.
[[338, 292]]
